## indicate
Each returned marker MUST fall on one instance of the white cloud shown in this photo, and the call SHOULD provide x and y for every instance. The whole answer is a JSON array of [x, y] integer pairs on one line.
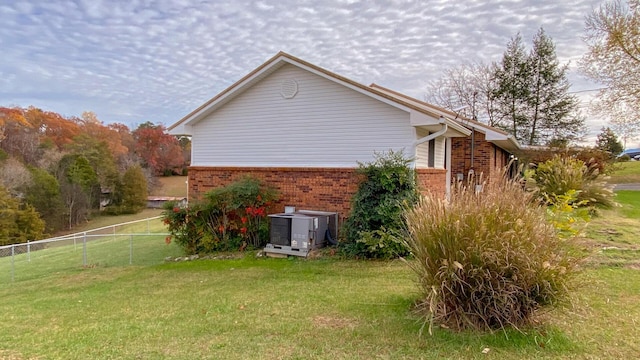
[[133, 61]]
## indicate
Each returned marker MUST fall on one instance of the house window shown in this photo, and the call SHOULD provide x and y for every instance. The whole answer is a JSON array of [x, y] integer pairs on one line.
[[432, 153]]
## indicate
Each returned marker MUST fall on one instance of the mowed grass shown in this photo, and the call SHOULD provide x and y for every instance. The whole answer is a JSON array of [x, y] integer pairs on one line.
[[263, 308], [172, 186], [625, 173]]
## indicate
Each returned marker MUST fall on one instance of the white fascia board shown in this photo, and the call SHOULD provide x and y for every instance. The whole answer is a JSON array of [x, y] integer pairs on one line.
[[458, 128], [181, 129], [505, 141], [491, 135], [417, 118]]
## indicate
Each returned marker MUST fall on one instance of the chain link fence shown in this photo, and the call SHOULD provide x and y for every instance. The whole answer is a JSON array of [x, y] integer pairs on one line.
[[140, 242]]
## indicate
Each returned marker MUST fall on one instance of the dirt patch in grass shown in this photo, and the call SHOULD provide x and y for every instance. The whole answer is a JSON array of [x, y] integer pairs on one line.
[[11, 355], [634, 266], [334, 322]]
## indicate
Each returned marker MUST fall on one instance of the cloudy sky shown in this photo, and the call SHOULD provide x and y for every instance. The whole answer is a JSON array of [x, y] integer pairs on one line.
[[133, 61]]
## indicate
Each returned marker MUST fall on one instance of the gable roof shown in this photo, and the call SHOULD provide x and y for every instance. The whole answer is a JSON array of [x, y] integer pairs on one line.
[[282, 58], [497, 136]]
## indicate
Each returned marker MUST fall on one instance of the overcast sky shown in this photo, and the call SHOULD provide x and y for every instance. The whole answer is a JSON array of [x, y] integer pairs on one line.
[[133, 61]]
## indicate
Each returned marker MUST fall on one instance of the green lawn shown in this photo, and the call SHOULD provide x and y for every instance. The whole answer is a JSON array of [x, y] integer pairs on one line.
[[172, 186], [256, 308], [625, 172]]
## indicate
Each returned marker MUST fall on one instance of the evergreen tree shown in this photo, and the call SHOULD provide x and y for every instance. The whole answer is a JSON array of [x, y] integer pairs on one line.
[[531, 97], [554, 112], [134, 190], [608, 141], [512, 77], [44, 195]]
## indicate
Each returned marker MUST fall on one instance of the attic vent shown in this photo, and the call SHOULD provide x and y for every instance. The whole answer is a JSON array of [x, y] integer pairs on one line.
[[289, 88]]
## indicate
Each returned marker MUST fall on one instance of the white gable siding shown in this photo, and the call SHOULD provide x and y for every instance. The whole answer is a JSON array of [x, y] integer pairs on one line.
[[440, 148], [422, 150], [324, 125]]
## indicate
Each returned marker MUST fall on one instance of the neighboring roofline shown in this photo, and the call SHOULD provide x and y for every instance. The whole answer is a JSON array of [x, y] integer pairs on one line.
[[404, 101], [464, 121]]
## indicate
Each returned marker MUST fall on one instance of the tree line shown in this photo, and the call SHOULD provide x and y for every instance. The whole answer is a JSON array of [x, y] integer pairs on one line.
[[55, 171], [526, 93]]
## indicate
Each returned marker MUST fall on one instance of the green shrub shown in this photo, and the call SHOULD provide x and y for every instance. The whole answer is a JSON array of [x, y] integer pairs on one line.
[[372, 228], [560, 175], [230, 218], [486, 260], [567, 215], [623, 158]]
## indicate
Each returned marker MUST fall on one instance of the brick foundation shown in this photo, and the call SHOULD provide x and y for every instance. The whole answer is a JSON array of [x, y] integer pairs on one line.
[[327, 189]]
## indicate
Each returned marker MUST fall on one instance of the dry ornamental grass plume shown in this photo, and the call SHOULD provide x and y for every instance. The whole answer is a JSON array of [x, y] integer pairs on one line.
[[486, 259]]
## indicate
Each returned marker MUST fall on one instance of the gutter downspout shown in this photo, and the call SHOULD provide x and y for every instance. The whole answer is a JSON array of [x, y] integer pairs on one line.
[[447, 159], [430, 137]]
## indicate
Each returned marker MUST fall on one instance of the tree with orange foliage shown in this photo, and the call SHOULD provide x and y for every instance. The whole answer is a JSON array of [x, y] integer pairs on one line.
[[160, 151], [11, 117]]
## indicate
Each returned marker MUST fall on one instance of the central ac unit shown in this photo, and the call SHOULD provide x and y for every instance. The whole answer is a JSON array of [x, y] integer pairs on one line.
[[299, 232]]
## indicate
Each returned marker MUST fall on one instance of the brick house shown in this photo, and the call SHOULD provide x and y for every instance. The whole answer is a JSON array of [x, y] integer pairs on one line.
[[484, 152], [304, 129]]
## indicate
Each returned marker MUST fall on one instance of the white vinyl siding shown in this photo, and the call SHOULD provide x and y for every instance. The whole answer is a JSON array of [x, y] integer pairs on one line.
[[422, 151], [439, 153], [324, 125]]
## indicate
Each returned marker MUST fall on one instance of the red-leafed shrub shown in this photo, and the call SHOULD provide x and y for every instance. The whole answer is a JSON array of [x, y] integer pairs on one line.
[[230, 218]]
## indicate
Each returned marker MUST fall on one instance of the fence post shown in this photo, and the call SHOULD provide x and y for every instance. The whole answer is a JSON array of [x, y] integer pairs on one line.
[[28, 251], [148, 226], [131, 249], [13, 253], [84, 249]]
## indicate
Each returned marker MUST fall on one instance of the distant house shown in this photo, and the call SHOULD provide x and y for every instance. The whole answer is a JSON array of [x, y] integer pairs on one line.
[[304, 129], [157, 202]]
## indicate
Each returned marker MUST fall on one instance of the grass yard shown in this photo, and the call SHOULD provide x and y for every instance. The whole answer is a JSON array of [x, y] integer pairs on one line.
[[326, 308], [172, 186], [625, 173]]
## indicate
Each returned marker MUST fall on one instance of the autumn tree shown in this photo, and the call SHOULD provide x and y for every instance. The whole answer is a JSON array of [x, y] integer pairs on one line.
[[19, 223], [14, 176], [468, 90], [613, 60], [159, 151], [79, 187], [52, 127], [99, 157], [94, 128], [11, 117], [18, 137], [126, 139]]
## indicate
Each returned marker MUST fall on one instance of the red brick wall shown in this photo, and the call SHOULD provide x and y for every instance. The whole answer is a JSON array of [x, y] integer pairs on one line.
[[488, 158], [432, 180], [326, 189]]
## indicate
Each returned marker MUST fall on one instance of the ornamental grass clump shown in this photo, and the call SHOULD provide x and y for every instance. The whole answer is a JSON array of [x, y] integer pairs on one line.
[[486, 259], [561, 174]]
